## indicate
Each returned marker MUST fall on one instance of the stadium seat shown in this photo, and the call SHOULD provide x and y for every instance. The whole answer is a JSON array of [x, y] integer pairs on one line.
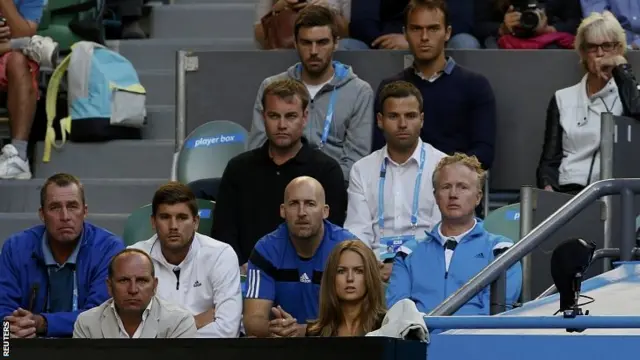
[[64, 20], [207, 150], [138, 226], [504, 221]]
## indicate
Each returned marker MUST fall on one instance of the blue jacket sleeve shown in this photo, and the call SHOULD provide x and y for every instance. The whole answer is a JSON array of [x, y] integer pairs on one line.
[[61, 324], [591, 6], [10, 293], [400, 282], [365, 24]]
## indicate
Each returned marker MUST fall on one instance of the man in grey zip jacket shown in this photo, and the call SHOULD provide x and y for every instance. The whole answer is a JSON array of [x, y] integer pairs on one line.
[[345, 134]]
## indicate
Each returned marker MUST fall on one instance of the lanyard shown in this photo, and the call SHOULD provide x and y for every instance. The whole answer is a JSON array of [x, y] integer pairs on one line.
[[74, 299], [328, 118], [340, 73], [416, 193]]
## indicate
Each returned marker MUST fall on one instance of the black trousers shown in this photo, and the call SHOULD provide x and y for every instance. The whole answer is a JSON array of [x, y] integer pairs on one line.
[[206, 189], [127, 10]]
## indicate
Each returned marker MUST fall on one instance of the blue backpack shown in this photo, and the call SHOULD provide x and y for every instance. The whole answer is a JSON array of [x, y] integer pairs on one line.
[[105, 98]]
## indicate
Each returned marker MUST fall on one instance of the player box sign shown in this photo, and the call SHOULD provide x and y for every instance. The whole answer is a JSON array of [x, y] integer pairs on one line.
[[5, 338]]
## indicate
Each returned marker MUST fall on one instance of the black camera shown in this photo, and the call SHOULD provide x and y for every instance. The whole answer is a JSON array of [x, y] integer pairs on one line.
[[530, 12]]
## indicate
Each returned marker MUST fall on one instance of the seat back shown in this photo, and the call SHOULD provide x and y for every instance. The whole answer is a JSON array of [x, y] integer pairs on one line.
[[208, 149], [138, 226], [504, 221], [70, 21]]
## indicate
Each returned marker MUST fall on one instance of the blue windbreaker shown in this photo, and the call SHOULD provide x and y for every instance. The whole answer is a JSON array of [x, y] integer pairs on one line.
[[22, 266], [420, 275]]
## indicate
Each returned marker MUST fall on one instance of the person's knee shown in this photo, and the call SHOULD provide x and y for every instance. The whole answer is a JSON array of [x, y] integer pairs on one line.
[[17, 67], [463, 41]]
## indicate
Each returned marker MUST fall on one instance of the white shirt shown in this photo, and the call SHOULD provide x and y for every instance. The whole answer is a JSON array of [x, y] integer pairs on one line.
[[580, 121], [209, 277], [362, 211], [314, 89], [123, 332], [448, 253]]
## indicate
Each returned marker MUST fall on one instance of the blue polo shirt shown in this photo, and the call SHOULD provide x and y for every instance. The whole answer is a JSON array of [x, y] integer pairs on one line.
[[276, 272], [61, 278]]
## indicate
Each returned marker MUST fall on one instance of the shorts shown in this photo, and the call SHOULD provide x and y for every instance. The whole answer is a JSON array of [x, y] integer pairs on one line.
[[33, 66]]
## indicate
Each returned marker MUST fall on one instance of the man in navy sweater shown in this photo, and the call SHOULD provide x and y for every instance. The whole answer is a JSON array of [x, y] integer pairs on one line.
[[378, 24], [459, 105]]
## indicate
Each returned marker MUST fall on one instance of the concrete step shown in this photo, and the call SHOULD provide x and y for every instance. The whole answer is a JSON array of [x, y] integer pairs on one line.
[[123, 159], [15, 222], [161, 123], [160, 54], [203, 21], [102, 195], [160, 86]]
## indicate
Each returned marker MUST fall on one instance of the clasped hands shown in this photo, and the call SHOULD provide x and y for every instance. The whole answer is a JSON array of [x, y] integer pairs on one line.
[[284, 325], [23, 324]]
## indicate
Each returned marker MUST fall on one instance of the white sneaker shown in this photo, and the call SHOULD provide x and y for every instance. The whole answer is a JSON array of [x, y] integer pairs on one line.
[[12, 166], [42, 50]]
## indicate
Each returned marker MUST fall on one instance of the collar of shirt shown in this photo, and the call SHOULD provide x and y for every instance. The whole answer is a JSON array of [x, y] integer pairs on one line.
[[303, 155], [456, 238], [145, 314], [48, 255], [415, 156], [448, 69], [156, 253]]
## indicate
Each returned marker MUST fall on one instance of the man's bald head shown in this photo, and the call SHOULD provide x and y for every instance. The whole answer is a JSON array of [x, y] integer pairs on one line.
[[304, 208], [306, 185]]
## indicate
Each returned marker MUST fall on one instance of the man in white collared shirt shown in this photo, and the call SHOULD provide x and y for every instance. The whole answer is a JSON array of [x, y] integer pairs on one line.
[[123, 330], [134, 311], [391, 201], [195, 271]]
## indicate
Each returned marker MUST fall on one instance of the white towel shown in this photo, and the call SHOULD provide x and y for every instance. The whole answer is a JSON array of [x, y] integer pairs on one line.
[[401, 320]]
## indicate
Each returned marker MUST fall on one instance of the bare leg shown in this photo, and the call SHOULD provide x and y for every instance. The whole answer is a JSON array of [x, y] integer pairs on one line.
[[21, 96]]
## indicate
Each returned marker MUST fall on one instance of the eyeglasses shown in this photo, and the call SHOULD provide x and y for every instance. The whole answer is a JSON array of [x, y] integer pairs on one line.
[[605, 46]]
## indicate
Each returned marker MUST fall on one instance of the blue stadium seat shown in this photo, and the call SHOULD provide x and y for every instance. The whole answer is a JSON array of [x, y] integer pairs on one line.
[[504, 221], [208, 149]]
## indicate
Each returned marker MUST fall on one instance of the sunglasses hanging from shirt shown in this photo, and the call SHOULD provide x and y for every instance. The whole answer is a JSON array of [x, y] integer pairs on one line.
[[391, 244]]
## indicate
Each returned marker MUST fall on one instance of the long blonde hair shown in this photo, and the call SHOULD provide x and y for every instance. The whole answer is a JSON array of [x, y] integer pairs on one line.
[[373, 305]]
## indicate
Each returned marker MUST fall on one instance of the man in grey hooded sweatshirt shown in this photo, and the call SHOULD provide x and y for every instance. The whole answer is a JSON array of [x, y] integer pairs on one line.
[[341, 109]]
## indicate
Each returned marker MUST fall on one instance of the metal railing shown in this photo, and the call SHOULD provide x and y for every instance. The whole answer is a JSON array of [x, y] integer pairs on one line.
[[527, 205], [531, 322], [625, 187]]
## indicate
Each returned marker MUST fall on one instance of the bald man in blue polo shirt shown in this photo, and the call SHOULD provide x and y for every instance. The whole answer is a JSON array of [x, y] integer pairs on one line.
[[286, 266]]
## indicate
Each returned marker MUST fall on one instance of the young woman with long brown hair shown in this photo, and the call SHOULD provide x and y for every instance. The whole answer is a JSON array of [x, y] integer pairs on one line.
[[351, 293]]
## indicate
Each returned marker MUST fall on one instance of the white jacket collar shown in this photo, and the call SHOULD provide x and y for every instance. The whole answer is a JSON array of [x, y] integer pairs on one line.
[[156, 252]]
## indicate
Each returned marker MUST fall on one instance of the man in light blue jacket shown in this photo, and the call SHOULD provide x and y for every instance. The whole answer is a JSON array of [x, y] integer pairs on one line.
[[626, 11], [341, 107], [456, 250]]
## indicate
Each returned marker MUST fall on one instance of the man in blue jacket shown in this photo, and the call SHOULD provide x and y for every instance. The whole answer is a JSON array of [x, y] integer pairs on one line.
[[456, 250], [52, 272]]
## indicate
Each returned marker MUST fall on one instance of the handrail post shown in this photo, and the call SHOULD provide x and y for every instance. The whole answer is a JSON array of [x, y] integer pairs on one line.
[[526, 224], [486, 195], [628, 225], [498, 295], [181, 110], [181, 99], [607, 131]]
